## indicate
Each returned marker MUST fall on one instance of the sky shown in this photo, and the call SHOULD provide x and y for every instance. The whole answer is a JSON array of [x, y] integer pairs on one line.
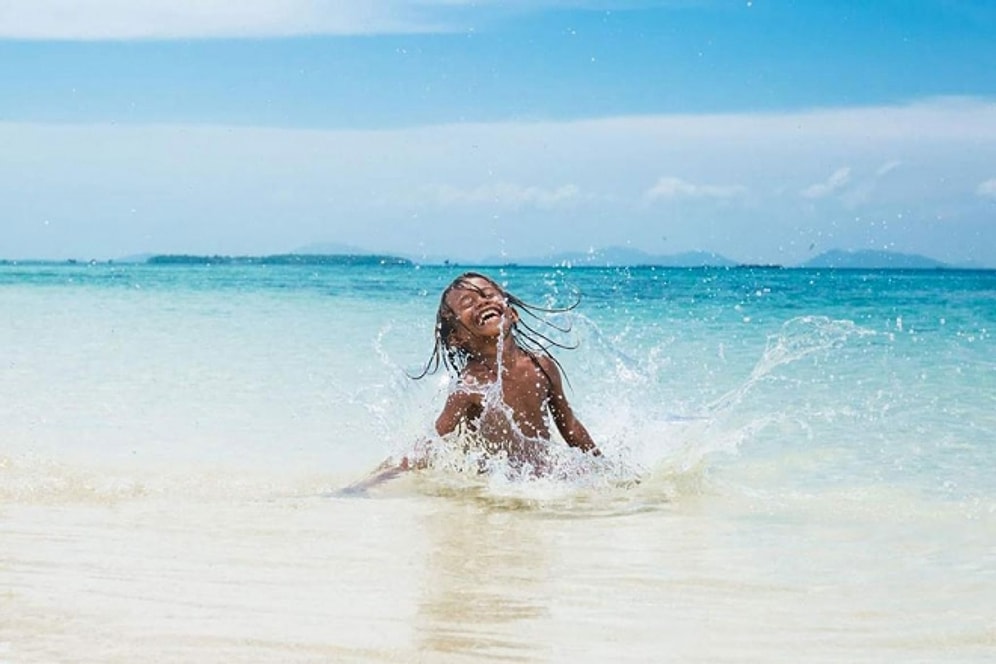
[[767, 131]]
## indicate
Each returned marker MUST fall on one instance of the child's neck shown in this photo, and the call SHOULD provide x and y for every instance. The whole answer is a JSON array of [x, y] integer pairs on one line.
[[487, 355]]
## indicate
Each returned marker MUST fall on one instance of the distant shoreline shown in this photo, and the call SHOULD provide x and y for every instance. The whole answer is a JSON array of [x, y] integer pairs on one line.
[[280, 259], [387, 260]]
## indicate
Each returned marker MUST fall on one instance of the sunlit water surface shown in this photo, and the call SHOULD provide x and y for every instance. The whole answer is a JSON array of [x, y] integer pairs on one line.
[[798, 467]]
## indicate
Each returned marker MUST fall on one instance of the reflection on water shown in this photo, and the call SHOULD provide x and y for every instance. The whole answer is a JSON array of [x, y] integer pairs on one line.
[[464, 573], [484, 582]]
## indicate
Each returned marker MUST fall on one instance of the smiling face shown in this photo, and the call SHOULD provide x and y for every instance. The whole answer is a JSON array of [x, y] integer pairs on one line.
[[479, 309]]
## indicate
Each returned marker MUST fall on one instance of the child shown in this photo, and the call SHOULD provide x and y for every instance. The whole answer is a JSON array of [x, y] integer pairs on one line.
[[505, 380]]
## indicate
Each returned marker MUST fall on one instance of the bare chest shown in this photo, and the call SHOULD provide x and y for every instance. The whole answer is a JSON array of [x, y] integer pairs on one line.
[[520, 396]]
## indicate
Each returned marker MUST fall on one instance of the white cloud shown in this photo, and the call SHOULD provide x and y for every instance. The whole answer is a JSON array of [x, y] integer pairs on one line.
[[507, 195], [167, 19], [111, 190], [672, 187], [837, 180], [178, 19], [863, 192], [987, 189], [887, 168]]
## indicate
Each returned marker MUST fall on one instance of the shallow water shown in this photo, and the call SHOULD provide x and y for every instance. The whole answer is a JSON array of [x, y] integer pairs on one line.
[[798, 468]]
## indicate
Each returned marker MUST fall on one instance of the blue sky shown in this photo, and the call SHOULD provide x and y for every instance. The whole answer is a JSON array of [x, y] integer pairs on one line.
[[766, 131]]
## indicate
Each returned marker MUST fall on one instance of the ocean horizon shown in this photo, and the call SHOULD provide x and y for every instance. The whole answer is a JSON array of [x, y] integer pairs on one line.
[[609, 257]]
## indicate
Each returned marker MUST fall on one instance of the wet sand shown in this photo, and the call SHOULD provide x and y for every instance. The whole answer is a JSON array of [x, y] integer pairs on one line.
[[432, 573]]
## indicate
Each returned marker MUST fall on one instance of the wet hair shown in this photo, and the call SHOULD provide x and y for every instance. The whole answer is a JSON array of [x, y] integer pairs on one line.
[[525, 336]]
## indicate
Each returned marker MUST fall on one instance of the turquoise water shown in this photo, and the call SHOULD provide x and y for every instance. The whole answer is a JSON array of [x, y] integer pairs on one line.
[[846, 377], [799, 464]]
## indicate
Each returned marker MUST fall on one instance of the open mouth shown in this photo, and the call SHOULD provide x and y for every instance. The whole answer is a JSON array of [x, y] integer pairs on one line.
[[488, 315]]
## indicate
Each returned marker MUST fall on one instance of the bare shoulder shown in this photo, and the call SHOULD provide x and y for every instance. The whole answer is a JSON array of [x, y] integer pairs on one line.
[[549, 367], [546, 362]]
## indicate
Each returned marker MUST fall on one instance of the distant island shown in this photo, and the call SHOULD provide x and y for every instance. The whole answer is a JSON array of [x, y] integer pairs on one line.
[[618, 257], [280, 259], [628, 257], [347, 255], [869, 259]]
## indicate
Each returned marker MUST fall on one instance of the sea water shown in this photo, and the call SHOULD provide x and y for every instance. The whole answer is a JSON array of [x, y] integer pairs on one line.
[[797, 467]]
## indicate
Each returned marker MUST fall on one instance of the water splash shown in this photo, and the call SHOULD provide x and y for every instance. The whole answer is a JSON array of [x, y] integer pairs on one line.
[[798, 338], [645, 441], [663, 438]]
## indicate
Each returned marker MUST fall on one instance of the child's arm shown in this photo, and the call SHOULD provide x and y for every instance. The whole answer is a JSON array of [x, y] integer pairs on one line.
[[383, 473], [568, 424], [461, 408], [389, 469]]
